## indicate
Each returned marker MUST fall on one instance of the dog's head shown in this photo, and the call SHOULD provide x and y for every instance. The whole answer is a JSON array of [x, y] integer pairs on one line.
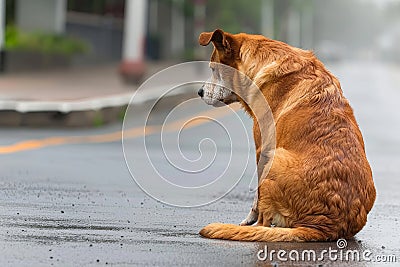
[[216, 91], [250, 58]]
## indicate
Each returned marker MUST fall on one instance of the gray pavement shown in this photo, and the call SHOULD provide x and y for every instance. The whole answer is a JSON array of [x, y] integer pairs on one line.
[[75, 204]]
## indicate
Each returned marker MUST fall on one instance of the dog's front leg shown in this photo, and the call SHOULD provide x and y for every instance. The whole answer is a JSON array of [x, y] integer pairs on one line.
[[252, 217]]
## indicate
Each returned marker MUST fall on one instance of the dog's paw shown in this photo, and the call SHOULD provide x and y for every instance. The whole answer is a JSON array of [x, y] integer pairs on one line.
[[211, 230], [247, 222], [251, 218]]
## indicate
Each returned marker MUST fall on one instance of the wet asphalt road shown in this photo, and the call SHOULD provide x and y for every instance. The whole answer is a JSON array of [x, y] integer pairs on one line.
[[77, 205]]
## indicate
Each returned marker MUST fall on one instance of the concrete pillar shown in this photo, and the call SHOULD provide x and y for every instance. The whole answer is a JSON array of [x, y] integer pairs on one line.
[[2, 32], [41, 15], [132, 67]]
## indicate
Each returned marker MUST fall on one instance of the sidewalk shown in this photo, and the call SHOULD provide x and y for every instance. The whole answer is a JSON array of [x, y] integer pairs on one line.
[[85, 96]]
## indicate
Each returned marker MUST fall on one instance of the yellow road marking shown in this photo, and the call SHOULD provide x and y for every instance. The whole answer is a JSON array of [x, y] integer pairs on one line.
[[116, 136]]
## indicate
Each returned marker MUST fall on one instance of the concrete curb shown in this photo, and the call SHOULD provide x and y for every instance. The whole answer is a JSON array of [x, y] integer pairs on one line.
[[66, 106], [89, 112]]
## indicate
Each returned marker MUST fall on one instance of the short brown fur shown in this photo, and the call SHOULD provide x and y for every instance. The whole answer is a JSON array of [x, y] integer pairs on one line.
[[320, 184]]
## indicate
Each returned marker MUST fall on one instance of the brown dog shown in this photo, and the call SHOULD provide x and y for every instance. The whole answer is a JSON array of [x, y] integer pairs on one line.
[[319, 186]]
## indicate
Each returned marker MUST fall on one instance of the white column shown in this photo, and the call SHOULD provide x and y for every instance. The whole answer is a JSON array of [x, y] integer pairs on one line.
[[60, 15], [134, 30], [2, 23], [132, 67]]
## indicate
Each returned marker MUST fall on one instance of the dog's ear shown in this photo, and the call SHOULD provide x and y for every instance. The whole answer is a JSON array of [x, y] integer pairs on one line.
[[205, 38], [218, 38]]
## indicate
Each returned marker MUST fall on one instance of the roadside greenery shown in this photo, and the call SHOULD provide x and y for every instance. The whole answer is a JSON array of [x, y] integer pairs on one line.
[[16, 40]]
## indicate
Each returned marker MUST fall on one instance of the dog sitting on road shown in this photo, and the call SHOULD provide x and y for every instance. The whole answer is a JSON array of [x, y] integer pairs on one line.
[[319, 186]]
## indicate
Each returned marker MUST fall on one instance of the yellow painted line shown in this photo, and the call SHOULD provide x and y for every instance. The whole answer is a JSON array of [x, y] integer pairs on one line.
[[117, 136]]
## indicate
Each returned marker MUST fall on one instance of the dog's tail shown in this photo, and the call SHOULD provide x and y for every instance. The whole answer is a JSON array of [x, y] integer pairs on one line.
[[261, 233]]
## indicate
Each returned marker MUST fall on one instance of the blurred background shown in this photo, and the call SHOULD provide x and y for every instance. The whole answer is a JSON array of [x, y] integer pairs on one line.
[[97, 49], [94, 32]]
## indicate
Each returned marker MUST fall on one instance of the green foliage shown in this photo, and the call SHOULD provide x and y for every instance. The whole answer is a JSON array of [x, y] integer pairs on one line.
[[41, 42], [98, 119]]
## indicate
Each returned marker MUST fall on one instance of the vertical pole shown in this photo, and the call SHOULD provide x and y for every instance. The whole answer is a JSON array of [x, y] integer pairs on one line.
[[267, 18], [2, 33], [60, 14], [132, 67]]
